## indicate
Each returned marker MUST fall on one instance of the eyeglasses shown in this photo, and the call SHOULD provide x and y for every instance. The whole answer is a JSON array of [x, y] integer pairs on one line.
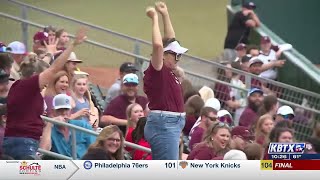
[[178, 56], [212, 118], [114, 140]]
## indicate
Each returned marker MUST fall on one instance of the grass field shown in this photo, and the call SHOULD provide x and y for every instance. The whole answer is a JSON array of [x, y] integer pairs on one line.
[[200, 25]]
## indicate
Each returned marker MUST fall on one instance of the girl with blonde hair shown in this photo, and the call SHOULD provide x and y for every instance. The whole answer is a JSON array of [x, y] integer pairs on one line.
[[83, 108], [111, 141], [263, 128]]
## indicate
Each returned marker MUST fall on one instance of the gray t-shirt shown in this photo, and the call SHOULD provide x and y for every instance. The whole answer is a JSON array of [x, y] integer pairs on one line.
[[114, 91]]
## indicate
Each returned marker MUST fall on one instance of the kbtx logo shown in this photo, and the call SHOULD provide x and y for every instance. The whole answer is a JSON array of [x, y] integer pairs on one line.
[[286, 148]]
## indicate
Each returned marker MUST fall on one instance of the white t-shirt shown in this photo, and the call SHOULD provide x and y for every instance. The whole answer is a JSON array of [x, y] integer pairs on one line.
[[270, 73]]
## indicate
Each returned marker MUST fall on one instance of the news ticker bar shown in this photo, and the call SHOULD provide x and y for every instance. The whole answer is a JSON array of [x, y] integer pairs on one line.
[[290, 165], [80, 169], [294, 156]]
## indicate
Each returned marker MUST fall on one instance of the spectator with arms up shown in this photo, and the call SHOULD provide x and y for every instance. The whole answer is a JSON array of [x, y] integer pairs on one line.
[[166, 118], [24, 124]]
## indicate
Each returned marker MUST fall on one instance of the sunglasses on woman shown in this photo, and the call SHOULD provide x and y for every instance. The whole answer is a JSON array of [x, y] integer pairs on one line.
[[288, 116], [178, 56]]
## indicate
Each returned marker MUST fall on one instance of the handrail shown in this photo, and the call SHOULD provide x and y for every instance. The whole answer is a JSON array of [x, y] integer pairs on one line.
[[186, 55], [186, 71], [53, 154], [303, 63], [78, 128], [78, 21]]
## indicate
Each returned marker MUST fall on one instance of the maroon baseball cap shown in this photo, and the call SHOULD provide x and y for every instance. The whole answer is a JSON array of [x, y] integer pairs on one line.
[[242, 132], [265, 39], [241, 46], [40, 36]]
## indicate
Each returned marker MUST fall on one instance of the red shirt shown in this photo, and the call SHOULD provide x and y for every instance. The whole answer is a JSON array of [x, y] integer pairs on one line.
[[118, 106], [163, 89], [202, 152], [129, 138], [25, 105], [141, 155], [247, 117]]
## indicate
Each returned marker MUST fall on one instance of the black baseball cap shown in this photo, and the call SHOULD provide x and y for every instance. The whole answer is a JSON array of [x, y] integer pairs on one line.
[[128, 67], [249, 5]]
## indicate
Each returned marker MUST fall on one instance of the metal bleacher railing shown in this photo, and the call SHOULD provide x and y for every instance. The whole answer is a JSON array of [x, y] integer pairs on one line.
[[123, 47], [294, 100], [73, 129]]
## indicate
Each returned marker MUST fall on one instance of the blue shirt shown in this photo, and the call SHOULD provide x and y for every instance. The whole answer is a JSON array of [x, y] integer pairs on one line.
[[62, 146]]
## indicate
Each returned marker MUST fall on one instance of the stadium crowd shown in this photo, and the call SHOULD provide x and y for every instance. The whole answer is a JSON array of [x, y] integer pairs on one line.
[[175, 119]]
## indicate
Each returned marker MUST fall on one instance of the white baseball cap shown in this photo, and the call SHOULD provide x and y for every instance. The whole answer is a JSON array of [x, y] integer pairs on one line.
[[285, 110], [74, 58], [213, 103], [17, 47], [78, 72], [61, 101], [222, 113], [175, 47], [235, 155]]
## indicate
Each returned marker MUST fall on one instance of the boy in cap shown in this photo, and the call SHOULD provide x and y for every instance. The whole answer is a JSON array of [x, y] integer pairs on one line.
[[269, 57], [18, 52], [163, 89], [58, 138], [115, 89], [240, 137]]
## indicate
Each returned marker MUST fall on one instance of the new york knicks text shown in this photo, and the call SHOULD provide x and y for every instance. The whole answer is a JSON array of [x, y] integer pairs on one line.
[[215, 165]]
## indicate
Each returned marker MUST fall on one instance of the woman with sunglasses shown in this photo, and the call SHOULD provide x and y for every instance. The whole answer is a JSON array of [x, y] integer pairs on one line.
[[166, 118], [214, 145]]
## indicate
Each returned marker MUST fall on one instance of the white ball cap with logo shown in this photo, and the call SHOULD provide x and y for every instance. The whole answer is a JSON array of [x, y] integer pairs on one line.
[[61, 101], [285, 110], [17, 47]]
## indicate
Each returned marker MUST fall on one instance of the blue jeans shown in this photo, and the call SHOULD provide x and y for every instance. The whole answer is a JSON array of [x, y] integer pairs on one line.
[[162, 131], [20, 148]]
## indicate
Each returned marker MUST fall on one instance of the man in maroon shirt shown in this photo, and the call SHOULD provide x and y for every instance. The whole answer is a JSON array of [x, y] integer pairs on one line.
[[249, 115], [25, 102], [115, 112], [166, 118], [208, 115]]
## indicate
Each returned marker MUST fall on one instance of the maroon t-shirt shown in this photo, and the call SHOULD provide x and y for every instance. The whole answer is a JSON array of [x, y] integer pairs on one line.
[[196, 137], [118, 106], [163, 89], [202, 152], [247, 117], [190, 120], [25, 105]]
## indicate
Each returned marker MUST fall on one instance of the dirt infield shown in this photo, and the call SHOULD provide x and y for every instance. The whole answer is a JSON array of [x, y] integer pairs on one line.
[[103, 77]]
